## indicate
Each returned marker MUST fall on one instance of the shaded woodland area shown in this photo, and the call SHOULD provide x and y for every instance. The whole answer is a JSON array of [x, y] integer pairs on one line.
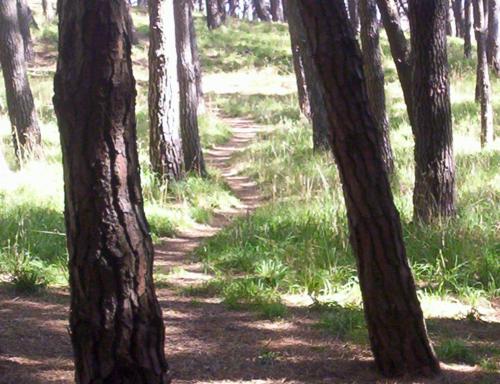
[[249, 191]]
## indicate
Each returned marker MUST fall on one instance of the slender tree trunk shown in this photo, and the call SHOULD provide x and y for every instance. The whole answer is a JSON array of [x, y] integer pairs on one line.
[[467, 29], [165, 146], [316, 92], [25, 17], [449, 25], [374, 74], [298, 67], [262, 10], [233, 7], [22, 113], [46, 9], [400, 51], [483, 78], [457, 13], [193, 155], [395, 321], [116, 322], [434, 193], [197, 66], [277, 10], [353, 14], [493, 41], [215, 14]]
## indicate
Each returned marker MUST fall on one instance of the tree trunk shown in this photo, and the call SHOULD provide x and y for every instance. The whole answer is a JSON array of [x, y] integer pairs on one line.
[[262, 10], [400, 51], [215, 14], [467, 28], [116, 322], [434, 193], [395, 321], [25, 17], [459, 21], [298, 67], [483, 78], [374, 74], [197, 67], [46, 9], [165, 146], [316, 92], [277, 10], [449, 25], [233, 7], [493, 41], [22, 113], [191, 146], [353, 14]]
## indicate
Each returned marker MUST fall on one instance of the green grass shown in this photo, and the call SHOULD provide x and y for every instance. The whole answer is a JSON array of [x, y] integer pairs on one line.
[[456, 351]]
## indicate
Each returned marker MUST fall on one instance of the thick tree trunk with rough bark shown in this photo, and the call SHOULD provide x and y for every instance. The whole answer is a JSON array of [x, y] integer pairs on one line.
[[400, 51], [353, 14], [191, 145], [483, 77], [25, 17], [22, 113], [116, 322], [374, 75], [457, 6], [277, 10], [165, 146], [493, 40], [434, 193], [467, 28], [216, 14], [316, 92], [262, 10], [395, 321]]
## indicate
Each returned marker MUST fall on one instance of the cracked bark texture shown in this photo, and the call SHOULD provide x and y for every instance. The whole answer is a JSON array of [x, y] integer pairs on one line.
[[165, 146], [434, 192], [395, 321], [191, 145], [115, 320], [483, 77], [22, 113], [374, 75]]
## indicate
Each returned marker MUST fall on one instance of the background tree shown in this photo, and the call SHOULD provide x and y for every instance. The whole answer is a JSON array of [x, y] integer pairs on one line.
[[22, 113], [457, 6], [216, 13], [493, 40], [25, 18], [400, 51], [262, 10], [374, 75], [434, 193], [353, 14], [191, 145], [277, 10], [165, 146], [395, 321], [116, 322], [467, 28], [483, 76], [314, 88], [298, 67], [197, 66]]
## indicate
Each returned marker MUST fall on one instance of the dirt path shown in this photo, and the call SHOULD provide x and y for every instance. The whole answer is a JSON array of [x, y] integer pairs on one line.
[[205, 342]]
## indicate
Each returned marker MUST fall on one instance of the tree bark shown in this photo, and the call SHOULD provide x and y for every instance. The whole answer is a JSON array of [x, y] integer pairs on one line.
[[316, 92], [493, 41], [400, 51], [298, 67], [467, 28], [165, 146], [457, 14], [353, 14], [262, 10], [215, 13], [22, 113], [116, 322], [233, 7], [483, 77], [395, 321], [197, 66], [25, 17], [374, 74], [193, 155], [434, 193], [277, 10]]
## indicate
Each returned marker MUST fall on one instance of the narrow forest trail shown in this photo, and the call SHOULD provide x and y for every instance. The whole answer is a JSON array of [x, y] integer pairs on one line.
[[205, 341]]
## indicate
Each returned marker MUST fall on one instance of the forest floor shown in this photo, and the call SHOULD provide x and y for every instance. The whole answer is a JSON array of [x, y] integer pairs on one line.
[[205, 341]]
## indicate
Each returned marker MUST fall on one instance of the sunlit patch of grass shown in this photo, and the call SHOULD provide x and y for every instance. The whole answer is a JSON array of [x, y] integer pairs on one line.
[[455, 351]]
